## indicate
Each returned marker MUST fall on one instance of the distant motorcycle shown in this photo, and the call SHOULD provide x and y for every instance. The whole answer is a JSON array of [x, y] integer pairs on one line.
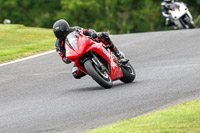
[[96, 60], [181, 16]]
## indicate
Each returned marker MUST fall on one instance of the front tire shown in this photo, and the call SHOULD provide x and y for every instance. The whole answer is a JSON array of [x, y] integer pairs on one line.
[[189, 22], [128, 73], [102, 78]]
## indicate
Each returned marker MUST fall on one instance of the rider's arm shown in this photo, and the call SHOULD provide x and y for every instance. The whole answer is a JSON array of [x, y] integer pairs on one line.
[[164, 10], [59, 45], [165, 15], [74, 28]]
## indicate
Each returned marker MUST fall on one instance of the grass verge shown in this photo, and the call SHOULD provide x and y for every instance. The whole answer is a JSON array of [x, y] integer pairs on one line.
[[183, 118], [18, 41]]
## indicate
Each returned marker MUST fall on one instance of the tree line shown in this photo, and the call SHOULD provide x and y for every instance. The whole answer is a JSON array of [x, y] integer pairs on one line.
[[114, 16]]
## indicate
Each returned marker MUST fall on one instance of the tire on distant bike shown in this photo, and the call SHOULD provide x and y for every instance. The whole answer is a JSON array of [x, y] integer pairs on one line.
[[189, 22]]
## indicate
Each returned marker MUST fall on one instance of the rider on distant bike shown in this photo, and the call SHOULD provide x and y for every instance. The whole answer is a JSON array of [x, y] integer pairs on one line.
[[165, 5], [61, 29]]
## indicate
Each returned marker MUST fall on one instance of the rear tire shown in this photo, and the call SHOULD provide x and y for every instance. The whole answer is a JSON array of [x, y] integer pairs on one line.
[[102, 79], [128, 73]]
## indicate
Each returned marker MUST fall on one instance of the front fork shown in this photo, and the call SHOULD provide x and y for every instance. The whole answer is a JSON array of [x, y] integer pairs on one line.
[[99, 65]]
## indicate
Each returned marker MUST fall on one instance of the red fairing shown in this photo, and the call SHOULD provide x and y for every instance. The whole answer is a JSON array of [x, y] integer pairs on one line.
[[116, 70], [70, 53], [85, 45]]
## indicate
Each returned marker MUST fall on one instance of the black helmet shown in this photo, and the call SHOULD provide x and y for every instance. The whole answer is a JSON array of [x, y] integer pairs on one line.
[[61, 28], [169, 1]]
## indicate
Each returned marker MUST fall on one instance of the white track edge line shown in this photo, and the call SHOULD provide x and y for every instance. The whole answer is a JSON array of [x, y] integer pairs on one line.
[[27, 58], [30, 57]]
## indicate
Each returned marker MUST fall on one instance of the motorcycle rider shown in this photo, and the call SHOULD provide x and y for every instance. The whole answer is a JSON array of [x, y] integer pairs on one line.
[[165, 6], [61, 29]]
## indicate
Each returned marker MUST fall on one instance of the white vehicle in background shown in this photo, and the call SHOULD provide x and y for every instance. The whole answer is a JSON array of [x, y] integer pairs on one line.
[[7, 21], [181, 16]]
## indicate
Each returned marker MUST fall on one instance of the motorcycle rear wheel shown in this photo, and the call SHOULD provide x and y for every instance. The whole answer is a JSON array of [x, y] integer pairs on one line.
[[128, 73], [102, 78]]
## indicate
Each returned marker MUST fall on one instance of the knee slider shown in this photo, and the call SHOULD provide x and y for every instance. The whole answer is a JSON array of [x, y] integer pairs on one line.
[[76, 75]]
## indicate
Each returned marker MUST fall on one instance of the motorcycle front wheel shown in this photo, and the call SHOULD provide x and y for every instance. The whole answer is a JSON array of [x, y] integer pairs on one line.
[[189, 22], [101, 77]]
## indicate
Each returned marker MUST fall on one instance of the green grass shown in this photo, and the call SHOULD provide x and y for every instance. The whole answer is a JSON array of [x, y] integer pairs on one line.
[[17, 41], [184, 118]]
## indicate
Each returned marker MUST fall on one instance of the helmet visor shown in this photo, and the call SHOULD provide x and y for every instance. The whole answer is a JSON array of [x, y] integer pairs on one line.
[[168, 1], [60, 34]]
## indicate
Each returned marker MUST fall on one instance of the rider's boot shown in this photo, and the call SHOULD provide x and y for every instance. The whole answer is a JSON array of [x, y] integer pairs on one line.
[[120, 58], [104, 37]]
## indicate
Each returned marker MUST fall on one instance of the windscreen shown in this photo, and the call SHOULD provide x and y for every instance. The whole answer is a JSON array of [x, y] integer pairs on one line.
[[72, 40], [175, 5]]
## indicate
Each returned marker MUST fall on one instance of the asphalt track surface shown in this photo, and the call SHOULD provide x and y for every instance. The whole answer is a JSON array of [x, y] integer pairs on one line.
[[41, 96]]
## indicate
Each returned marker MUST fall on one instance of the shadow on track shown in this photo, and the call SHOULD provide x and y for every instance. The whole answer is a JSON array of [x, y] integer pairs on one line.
[[99, 88]]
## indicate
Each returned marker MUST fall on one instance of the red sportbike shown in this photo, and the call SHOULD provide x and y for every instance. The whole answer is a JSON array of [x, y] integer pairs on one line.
[[94, 59]]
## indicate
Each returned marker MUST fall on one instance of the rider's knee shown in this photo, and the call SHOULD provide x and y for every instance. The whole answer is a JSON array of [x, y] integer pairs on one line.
[[78, 75], [168, 22]]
